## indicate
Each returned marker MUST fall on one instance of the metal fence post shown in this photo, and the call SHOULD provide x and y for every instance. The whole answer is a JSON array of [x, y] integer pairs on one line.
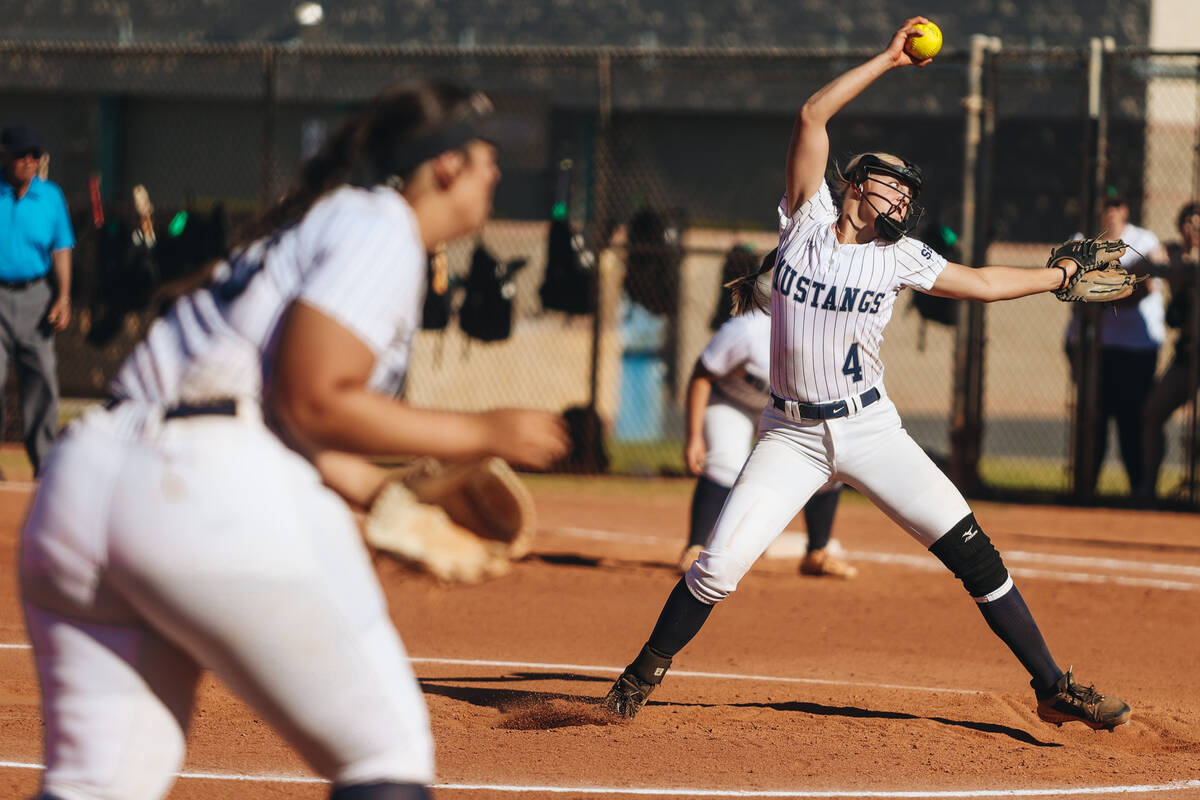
[[1191, 450], [966, 424], [269, 113], [601, 205], [1086, 355]]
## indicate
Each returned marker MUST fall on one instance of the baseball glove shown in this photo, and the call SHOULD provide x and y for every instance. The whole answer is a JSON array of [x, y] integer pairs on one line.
[[459, 522], [1099, 277]]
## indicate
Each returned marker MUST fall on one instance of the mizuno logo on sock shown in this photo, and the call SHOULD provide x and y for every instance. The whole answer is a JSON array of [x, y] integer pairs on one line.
[[970, 534]]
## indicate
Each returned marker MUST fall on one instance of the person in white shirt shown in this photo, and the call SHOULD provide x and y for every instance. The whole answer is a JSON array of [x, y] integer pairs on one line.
[[841, 265], [1129, 342], [185, 525]]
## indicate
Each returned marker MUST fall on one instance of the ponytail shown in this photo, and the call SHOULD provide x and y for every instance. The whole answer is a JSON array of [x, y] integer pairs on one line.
[[752, 291], [385, 143], [325, 171]]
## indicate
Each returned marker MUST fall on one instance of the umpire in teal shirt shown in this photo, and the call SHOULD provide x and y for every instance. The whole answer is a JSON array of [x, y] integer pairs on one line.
[[35, 240]]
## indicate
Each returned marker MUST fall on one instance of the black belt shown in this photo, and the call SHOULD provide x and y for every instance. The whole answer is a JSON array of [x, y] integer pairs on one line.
[[217, 408], [18, 285], [220, 408], [831, 410]]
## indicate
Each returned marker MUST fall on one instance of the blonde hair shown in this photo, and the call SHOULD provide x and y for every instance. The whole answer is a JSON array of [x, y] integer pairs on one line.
[[839, 178]]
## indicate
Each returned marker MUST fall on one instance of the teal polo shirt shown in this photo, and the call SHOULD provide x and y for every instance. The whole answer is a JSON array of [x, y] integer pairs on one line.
[[31, 229]]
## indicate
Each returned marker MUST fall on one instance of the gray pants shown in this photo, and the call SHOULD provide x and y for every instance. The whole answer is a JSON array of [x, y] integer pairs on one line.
[[27, 340]]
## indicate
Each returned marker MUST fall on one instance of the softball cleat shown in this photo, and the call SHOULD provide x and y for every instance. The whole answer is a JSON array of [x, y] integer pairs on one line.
[[1068, 701], [690, 554], [821, 563]]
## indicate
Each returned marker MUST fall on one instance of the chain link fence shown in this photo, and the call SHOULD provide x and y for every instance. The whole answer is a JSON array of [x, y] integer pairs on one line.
[[633, 174]]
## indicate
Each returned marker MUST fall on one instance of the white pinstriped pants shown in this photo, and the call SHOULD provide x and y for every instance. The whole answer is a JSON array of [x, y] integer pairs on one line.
[[869, 450]]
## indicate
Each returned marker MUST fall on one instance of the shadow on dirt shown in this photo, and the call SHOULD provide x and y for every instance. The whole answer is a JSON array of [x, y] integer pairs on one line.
[[527, 710], [522, 709], [513, 677], [573, 560], [853, 711]]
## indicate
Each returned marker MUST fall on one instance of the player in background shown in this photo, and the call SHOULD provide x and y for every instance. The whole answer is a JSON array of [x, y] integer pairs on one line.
[[840, 267], [175, 529], [725, 398], [1172, 388], [1129, 342]]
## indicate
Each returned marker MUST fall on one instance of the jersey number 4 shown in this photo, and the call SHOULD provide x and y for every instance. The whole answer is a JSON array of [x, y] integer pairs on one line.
[[852, 366]]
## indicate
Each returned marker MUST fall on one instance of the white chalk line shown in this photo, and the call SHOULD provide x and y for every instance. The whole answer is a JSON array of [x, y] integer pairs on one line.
[[680, 792], [1174, 786], [677, 673], [684, 673], [929, 563]]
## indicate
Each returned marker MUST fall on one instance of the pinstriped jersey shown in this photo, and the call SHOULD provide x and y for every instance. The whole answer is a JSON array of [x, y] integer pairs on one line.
[[356, 257], [739, 356], [830, 302]]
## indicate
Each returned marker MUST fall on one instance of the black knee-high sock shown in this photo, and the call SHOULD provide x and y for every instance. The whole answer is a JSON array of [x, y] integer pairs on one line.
[[818, 518], [708, 498], [1010, 619], [680, 620]]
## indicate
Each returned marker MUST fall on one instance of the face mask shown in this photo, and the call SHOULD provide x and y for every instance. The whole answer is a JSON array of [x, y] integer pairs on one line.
[[888, 229]]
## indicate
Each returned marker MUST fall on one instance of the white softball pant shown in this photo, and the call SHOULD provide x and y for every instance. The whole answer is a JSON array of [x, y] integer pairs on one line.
[[195, 543], [728, 437], [792, 459]]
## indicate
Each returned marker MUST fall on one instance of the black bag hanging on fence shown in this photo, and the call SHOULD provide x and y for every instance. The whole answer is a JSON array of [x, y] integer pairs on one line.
[[588, 454], [652, 268], [486, 312], [942, 310], [568, 283]]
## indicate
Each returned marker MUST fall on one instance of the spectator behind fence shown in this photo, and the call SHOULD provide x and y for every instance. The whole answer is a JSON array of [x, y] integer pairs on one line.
[[1172, 389], [35, 300], [1129, 340]]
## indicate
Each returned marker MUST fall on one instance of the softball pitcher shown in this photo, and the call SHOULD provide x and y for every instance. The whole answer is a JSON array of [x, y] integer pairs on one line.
[[840, 267], [174, 529], [726, 395]]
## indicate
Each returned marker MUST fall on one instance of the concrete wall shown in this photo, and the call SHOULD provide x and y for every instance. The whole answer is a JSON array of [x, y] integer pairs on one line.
[[1172, 168]]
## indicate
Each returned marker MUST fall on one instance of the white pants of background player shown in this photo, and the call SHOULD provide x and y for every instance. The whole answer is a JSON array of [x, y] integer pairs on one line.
[[728, 437], [156, 548], [869, 450]]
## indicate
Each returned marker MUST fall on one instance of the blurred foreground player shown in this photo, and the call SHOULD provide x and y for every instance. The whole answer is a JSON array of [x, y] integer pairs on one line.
[[181, 527]]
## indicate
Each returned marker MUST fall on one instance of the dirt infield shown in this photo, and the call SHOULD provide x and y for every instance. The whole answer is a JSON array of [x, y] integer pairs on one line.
[[890, 685]]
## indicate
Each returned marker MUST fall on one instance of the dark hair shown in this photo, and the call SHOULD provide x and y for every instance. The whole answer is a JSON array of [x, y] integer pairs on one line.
[[740, 261], [365, 145], [1189, 210], [1114, 197], [753, 290]]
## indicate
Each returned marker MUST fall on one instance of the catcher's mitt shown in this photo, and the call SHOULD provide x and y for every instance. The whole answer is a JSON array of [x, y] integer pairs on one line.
[[1099, 278], [460, 522]]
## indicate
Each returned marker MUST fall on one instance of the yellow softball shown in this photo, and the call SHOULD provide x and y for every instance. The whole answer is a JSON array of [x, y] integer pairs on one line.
[[927, 44]]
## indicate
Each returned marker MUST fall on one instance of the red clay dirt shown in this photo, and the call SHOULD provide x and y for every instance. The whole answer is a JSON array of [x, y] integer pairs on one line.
[[893, 681]]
